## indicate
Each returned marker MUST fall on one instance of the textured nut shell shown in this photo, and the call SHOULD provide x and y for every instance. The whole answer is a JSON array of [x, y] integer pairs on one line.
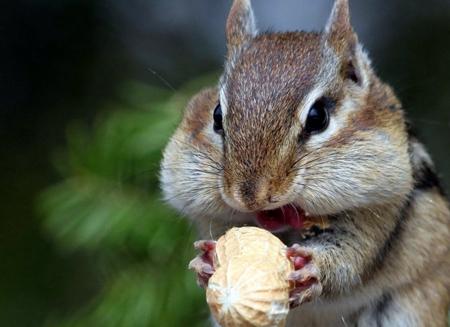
[[251, 241], [243, 293], [250, 285]]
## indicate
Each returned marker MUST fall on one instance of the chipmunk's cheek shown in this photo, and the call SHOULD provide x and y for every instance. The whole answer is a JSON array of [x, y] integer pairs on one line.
[[313, 203]]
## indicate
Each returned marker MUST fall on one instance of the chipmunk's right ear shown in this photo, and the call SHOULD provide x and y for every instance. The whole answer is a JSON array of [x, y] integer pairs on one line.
[[339, 32], [241, 26], [342, 39]]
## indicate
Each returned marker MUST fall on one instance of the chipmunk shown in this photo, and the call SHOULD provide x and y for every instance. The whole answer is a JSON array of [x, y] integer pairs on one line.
[[300, 129]]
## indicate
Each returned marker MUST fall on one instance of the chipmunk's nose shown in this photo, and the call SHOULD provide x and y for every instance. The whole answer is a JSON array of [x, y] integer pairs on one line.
[[252, 195]]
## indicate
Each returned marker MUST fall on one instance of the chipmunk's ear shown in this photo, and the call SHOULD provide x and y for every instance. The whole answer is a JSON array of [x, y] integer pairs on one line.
[[339, 32], [240, 25], [342, 39]]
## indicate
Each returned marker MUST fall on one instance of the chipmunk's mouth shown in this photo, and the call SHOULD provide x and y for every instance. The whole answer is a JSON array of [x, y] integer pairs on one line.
[[285, 217]]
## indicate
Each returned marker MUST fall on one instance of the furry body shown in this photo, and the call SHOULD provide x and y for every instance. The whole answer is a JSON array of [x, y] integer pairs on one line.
[[385, 259]]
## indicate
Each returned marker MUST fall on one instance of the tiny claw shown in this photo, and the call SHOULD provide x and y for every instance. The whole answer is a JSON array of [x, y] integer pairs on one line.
[[304, 275], [208, 270], [304, 294]]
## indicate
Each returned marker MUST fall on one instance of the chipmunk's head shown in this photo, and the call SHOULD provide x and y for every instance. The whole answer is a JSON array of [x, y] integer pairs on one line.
[[303, 120], [299, 120]]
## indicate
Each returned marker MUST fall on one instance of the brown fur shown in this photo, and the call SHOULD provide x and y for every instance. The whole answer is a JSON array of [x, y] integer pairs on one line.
[[197, 117], [384, 257], [289, 60]]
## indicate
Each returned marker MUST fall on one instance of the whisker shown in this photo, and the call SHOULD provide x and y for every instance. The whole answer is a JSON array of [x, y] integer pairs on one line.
[[199, 152], [296, 213], [192, 170], [191, 191]]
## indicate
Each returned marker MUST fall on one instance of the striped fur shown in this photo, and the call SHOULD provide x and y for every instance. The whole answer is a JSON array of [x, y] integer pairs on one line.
[[385, 259]]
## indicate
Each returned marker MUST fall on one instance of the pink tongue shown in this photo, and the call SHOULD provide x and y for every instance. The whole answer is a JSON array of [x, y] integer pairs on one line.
[[287, 216]]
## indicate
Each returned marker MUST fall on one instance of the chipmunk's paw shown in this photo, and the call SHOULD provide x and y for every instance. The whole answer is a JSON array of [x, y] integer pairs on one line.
[[305, 278], [203, 263]]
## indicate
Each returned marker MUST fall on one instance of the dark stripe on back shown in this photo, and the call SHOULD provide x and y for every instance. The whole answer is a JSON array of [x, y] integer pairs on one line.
[[411, 131], [395, 233], [389, 242], [426, 178]]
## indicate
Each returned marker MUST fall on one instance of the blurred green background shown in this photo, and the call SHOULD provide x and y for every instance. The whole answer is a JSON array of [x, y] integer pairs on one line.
[[90, 91]]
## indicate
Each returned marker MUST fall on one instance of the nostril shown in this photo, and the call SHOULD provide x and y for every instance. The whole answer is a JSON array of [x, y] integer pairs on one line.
[[248, 190]]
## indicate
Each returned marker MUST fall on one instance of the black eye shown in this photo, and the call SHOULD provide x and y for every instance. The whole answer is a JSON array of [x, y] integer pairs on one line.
[[318, 116], [218, 126]]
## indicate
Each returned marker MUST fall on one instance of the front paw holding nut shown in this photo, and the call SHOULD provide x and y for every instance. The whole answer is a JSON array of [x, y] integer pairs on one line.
[[203, 264], [306, 276]]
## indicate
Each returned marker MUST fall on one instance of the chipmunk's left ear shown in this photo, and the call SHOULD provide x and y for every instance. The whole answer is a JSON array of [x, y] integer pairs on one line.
[[241, 26]]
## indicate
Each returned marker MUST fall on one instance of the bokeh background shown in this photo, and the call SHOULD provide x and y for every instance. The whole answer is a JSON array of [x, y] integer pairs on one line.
[[90, 91]]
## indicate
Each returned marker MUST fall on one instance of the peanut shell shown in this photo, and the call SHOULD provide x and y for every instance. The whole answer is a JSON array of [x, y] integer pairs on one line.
[[250, 286]]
